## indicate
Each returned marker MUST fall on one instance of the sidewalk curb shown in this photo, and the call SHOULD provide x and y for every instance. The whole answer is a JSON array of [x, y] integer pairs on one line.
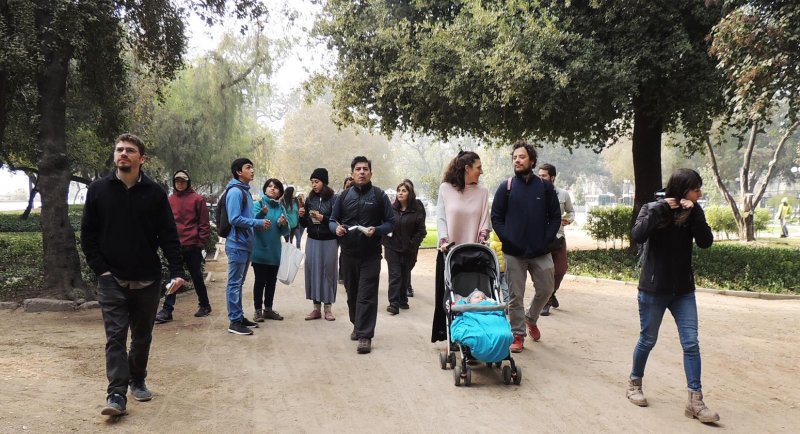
[[726, 292]]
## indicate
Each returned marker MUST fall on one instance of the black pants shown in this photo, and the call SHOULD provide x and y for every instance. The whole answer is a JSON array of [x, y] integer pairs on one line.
[[264, 288], [125, 308], [399, 281], [361, 279], [193, 259], [439, 326]]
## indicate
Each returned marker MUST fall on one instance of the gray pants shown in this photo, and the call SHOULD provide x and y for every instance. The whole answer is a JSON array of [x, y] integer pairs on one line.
[[541, 270]]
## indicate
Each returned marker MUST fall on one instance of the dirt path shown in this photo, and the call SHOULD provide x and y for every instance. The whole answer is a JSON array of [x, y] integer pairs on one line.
[[305, 376]]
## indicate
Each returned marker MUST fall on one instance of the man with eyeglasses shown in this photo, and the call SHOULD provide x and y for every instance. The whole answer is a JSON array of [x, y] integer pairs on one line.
[[126, 218]]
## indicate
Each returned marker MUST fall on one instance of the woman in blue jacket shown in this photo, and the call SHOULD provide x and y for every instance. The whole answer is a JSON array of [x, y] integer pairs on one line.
[[667, 228], [267, 249]]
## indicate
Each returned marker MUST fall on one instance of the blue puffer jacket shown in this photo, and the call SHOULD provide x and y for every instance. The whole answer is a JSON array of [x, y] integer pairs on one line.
[[242, 222], [267, 248]]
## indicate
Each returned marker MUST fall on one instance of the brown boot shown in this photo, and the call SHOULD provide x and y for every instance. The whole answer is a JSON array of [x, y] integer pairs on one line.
[[635, 394], [696, 408], [328, 314]]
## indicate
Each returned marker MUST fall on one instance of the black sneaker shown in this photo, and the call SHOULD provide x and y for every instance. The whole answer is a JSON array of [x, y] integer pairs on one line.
[[405, 306], [163, 316], [247, 323], [353, 336], [115, 405], [139, 391], [410, 292], [238, 328], [364, 346], [545, 310], [203, 311], [392, 309], [554, 301]]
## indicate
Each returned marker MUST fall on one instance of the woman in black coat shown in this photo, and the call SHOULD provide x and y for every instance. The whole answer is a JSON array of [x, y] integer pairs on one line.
[[667, 228], [402, 245]]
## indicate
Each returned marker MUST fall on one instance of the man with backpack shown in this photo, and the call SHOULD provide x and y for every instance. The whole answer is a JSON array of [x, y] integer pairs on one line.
[[236, 223], [362, 214], [526, 216]]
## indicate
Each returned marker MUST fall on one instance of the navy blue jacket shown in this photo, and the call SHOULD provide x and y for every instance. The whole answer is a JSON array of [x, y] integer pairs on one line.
[[359, 206], [527, 218]]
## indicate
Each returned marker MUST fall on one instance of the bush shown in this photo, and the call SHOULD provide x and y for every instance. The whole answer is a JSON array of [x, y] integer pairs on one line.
[[730, 266], [11, 221], [609, 224], [721, 220]]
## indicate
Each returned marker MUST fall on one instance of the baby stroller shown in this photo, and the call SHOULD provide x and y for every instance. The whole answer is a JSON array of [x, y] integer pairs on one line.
[[469, 267]]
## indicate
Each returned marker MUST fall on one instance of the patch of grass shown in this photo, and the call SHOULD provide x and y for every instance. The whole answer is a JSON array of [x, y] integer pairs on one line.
[[430, 240], [10, 221], [726, 265]]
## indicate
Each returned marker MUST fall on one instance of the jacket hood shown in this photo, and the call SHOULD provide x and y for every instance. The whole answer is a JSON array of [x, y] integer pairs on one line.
[[241, 184], [182, 174]]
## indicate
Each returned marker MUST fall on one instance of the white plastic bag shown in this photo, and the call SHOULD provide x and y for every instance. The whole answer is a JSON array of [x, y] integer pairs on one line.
[[291, 260]]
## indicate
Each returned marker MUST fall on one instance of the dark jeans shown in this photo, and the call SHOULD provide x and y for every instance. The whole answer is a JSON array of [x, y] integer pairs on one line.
[[399, 281], [264, 288], [125, 308], [193, 258], [361, 279], [439, 325]]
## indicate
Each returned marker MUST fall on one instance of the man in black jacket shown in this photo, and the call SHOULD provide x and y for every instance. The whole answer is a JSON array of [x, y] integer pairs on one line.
[[361, 215], [126, 219]]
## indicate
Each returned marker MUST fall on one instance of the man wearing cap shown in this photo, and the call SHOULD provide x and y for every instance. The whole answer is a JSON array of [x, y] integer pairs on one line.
[[191, 218]]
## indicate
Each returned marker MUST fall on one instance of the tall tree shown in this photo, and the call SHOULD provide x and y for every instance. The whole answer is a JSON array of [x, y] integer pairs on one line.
[[577, 71], [758, 46], [52, 35]]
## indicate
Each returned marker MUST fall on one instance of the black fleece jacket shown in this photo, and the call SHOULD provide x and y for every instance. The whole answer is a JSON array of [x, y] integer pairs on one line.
[[123, 228], [667, 267]]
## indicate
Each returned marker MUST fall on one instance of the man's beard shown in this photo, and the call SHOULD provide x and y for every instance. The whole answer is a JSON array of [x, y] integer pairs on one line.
[[523, 171], [126, 169]]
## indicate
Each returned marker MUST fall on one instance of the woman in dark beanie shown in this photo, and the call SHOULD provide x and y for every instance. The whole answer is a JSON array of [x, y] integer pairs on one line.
[[321, 246]]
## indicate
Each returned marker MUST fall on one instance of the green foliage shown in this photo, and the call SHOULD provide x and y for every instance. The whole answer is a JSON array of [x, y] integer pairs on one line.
[[721, 220], [731, 266], [10, 221], [609, 223], [211, 244]]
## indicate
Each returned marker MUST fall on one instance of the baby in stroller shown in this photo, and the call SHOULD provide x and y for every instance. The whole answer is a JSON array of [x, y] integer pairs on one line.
[[486, 333]]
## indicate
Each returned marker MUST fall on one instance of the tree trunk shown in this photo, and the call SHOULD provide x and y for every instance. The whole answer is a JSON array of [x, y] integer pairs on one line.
[[62, 271], [647, 131]]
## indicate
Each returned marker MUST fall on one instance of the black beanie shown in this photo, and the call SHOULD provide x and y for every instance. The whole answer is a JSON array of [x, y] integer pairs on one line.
[[320, 173]]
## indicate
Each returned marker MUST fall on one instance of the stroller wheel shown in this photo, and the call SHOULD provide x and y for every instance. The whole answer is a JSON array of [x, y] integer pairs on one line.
[[452, 359], [443, 360], [468, 378], [457, 376], [517, 374], [506, 375]]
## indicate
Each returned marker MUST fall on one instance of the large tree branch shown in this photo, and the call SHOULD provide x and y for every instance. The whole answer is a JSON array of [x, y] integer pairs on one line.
[[761, 186], [718, 179], [744, 174]]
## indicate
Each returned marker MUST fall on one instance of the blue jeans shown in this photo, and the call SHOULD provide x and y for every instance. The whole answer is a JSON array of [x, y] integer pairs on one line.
[[238, 261], [651, 311]]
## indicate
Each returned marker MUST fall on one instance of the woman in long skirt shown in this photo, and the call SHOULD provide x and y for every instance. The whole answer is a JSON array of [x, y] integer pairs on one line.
[[321, 247]]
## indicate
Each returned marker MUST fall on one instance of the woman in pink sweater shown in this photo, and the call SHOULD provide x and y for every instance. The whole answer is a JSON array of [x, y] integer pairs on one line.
[[462, 216]]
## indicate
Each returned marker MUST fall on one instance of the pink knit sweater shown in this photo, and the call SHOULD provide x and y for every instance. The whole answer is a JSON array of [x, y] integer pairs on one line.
[[461, 216]]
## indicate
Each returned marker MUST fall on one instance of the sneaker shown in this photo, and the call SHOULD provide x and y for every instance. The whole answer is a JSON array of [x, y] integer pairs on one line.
[[410, 292], [546, 310], [405, 306], [203, 311], [273, 315], [258, 316], [238, 328], [115, 405], [518, 344], [314, 314], [364, 346], [554, 301], [163, 316], [534, 332], [353, 336], [139, 391], [247, 323], [392, 309]]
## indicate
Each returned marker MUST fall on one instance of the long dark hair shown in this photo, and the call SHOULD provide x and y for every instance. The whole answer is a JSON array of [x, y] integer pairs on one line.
[[680, 183], [455, 173], [288, 198], [412, 197]]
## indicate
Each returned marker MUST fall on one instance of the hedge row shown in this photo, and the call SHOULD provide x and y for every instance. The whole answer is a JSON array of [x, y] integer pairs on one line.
[[11, 221], [724, 266]]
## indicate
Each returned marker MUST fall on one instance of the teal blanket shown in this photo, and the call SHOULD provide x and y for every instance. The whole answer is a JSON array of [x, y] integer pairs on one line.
[[487, 334]]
